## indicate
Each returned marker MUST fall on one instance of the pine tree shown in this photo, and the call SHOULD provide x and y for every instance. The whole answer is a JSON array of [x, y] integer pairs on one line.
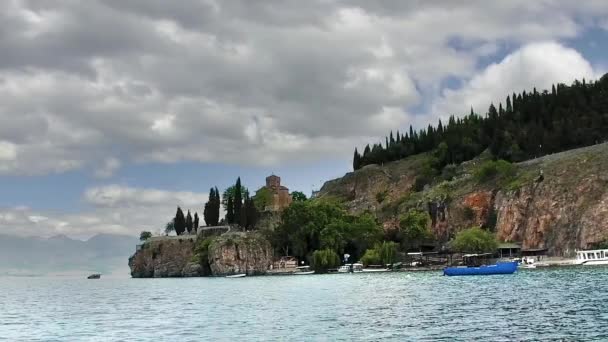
[[189, 223], [238, 200], [179, 222]]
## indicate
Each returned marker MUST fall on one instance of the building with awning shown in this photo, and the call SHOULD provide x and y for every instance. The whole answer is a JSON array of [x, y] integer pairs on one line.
[[509, 250]]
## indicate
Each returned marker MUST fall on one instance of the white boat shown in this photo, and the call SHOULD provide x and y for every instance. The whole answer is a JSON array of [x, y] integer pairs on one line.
[[527, 263], [592, 257], [240, 275], [353, 268], [303, 270], [375, 268]]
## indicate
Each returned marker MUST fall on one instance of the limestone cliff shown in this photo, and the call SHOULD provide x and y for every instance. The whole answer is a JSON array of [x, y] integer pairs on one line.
[[234, 253], [564, 209], [189, 256]]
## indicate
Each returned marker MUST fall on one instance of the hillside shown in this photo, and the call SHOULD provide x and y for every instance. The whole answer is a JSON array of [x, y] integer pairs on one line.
[[563, 210], [103, 253]]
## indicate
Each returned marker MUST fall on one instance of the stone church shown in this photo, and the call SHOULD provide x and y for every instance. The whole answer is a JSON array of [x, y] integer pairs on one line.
[[280, 197]]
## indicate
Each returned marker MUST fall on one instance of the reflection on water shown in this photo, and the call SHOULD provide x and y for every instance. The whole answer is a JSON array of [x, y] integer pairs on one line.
[[543, 304]]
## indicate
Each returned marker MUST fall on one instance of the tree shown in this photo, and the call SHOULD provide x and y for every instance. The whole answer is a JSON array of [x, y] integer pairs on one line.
[[179, 222], [251, 213], [144, 235], [230, 211], [262, 198], [322, 260], [298, 196], [208, 210], [229, 192], [238, 199], [215, 214], [474, 240], [169, 227], [356, 160], [413, 228], [189, 223], [196, 222]]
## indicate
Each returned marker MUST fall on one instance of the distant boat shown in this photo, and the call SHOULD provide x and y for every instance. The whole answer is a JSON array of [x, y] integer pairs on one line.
[[353, 268], [303, 270], [592, 257], [375, 268], [94, 276], [240, 275], [508, 267]]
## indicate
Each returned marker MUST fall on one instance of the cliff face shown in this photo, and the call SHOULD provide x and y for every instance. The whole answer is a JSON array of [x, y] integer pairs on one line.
[[240, 253], [169, 257], [564, 209], [191, 257]]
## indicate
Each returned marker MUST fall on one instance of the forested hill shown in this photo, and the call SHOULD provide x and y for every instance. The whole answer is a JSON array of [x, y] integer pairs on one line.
[[531, 124]]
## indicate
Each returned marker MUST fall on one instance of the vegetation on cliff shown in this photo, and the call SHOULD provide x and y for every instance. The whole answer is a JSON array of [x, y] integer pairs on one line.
[[530, 125], [475, 240]]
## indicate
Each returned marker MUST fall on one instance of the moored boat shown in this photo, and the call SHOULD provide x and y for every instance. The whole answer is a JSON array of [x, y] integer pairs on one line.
[[508, 267], [351, 268], [375, 268], [592, 257], [94, 276], [303, 270], [240, 275]]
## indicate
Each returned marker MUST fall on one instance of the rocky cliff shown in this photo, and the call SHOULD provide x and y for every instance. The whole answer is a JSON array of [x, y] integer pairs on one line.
[[189, 256], [558, 202]]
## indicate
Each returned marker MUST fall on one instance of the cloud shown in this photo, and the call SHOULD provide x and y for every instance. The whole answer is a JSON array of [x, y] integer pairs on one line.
[[534, 65], [238, 82], [110, 165], [114, 209]]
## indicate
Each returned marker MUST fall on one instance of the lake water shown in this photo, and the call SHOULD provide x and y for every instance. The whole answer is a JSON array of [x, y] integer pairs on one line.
[[543, 304]]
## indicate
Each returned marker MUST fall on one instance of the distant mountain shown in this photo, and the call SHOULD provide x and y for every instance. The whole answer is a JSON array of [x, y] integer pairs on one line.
[[103, 253]]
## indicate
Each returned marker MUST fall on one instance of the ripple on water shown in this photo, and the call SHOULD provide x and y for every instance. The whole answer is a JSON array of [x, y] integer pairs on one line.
[[548, 304]]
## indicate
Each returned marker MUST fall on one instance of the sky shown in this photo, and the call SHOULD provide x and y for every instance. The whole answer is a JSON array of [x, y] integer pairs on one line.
[[112, 113]]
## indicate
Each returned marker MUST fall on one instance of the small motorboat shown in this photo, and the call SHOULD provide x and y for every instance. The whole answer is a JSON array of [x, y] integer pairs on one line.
[[508, 267], [240, 275], [94, 276], [351, 268], [375, 268], [303, 270]]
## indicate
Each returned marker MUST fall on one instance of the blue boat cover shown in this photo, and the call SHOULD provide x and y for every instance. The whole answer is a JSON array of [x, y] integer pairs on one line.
[[498, 268]]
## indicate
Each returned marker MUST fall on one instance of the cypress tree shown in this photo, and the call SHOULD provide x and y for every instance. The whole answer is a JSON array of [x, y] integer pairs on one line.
[[179, 222], [216, 207], [356, 160], [189, 223], [230, 210], [238, 200], [196, 222], [208, 211]]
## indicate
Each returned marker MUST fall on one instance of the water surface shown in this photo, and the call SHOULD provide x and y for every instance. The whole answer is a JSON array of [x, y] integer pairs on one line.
[[543, 304]]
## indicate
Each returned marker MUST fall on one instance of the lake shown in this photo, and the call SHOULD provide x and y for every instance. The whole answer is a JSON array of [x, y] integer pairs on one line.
[[566, 303]]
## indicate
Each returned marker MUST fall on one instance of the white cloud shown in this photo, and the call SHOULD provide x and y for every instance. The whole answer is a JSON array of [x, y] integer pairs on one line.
[[535, 65], [238, 82], [110, 165], [115, 209]]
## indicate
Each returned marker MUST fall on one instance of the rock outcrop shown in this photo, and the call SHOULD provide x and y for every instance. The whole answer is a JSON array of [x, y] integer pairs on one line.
[[189, 256], [161, 258], [235, 253], [558, 202]]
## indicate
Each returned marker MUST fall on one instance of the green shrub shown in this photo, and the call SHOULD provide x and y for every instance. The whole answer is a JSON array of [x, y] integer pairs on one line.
[[371, 257], [449, 172], [475, 240], [494, 169], [324, 259]]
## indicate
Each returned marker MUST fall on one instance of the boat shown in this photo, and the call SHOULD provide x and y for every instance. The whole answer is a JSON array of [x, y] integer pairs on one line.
[[592, 257], [351, 268], [507, 267], [527, 263], [94, 276], [240, 275], [375, 268], [303, 270]]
